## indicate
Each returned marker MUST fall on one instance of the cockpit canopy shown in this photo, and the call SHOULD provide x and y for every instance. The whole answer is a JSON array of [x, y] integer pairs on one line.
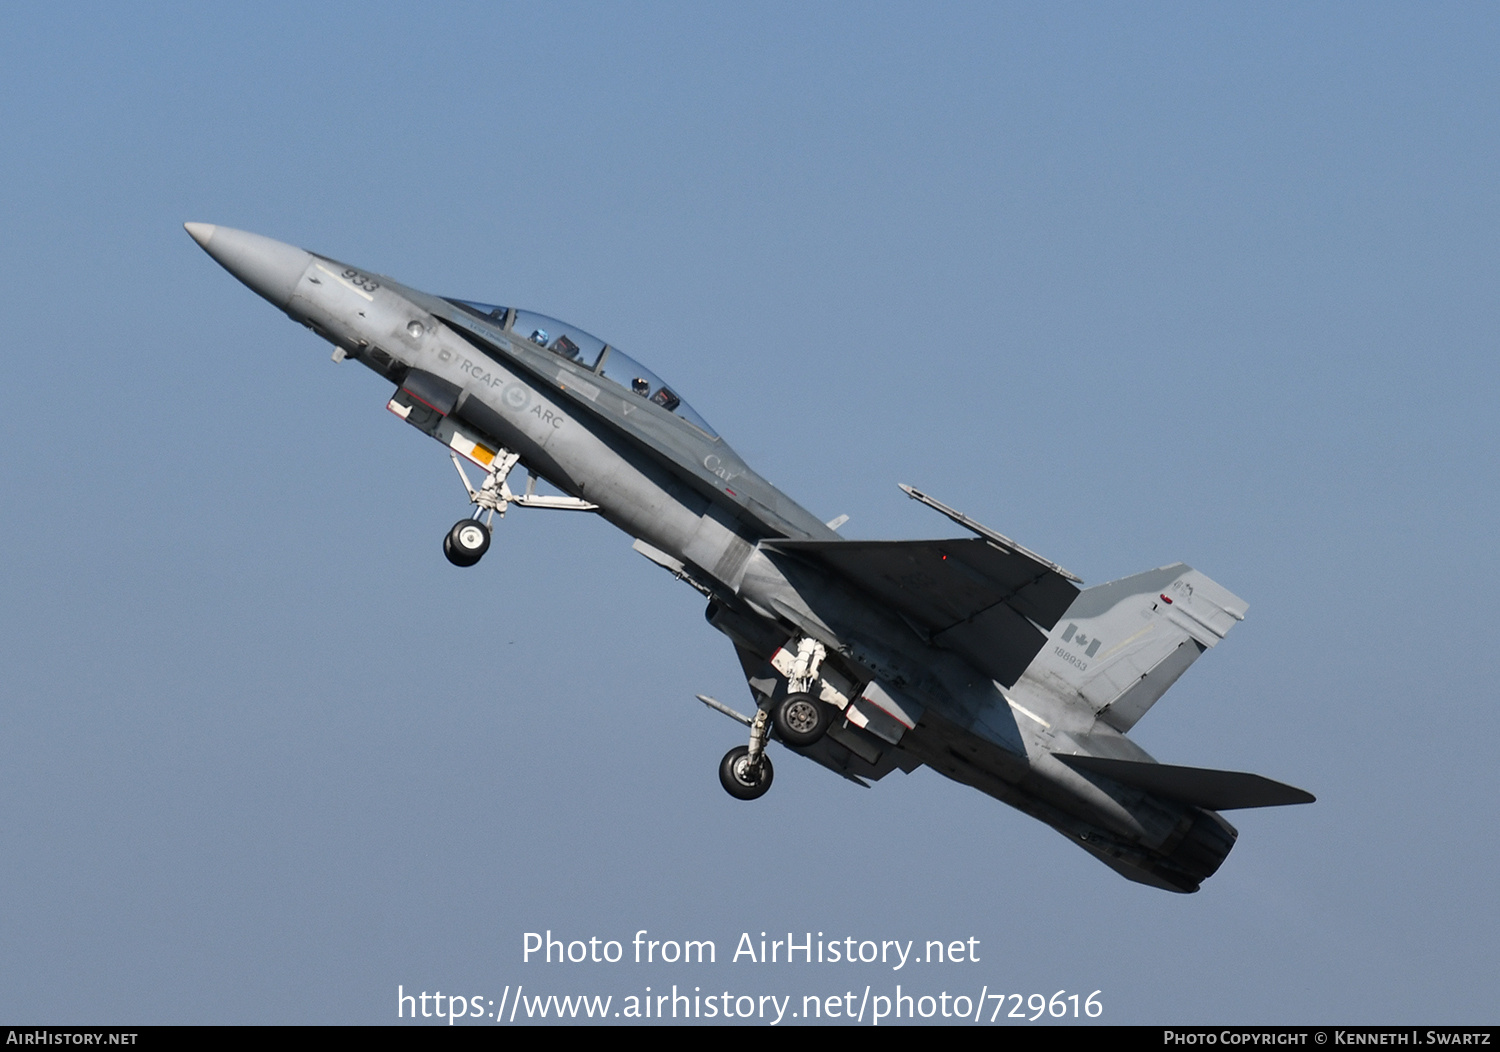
[[589, 352]]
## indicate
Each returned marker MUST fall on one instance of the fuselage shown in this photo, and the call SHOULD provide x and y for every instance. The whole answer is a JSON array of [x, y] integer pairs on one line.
[[591, 421]]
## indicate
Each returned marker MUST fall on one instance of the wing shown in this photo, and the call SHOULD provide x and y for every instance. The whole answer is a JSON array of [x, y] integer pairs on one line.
[[993, 605]]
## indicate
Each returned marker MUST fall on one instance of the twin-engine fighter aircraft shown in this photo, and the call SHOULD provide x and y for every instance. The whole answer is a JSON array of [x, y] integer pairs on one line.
[[972, 655]]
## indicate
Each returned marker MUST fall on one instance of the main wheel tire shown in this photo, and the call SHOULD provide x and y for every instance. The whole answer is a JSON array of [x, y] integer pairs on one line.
[[801, 720], [737, 782], [467, 542]]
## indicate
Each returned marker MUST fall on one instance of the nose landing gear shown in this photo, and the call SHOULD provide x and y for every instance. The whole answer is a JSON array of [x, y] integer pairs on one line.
[[469, 539], [467, 542]]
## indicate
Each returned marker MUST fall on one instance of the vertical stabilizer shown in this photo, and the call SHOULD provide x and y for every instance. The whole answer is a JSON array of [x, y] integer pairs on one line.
[[1122, 644]]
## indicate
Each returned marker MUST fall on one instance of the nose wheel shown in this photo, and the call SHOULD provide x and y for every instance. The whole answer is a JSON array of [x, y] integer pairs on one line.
[[467, 542], [469, 539]]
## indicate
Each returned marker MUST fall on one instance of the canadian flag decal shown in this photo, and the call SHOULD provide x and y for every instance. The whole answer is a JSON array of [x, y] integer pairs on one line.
[[1079, 640]]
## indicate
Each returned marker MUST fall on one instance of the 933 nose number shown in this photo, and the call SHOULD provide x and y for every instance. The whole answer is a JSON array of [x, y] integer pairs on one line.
[[355, 278]]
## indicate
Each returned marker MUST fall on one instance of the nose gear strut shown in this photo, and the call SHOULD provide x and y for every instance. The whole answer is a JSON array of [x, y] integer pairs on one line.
[[470, 539]]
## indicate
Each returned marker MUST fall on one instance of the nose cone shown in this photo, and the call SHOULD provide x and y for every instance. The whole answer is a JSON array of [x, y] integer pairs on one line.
[[271, 268]]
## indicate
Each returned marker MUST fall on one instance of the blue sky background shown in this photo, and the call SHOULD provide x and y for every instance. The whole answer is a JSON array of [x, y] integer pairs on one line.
[[1131, 284]]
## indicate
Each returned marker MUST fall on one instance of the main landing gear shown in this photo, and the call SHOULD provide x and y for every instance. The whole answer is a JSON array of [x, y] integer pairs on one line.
[[469, 539], [745, 772], [800, 721], [799, 718], [742, 781]]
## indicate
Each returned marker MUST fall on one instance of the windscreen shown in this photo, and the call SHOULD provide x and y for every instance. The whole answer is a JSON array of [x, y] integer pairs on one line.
[[581, 348]]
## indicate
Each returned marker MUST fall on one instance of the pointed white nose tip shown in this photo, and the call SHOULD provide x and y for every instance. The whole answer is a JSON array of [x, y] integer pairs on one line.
[[271, 268], [200, 232]]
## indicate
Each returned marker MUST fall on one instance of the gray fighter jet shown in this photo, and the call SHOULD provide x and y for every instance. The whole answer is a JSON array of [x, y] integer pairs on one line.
[[972, 655]]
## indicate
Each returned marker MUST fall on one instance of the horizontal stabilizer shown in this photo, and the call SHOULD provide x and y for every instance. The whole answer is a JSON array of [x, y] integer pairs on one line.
[[1199, 786]]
